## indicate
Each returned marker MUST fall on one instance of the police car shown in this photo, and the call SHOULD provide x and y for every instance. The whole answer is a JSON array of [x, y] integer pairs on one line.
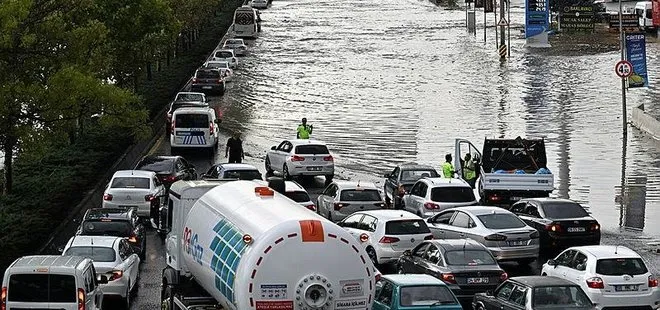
[[194, 127]]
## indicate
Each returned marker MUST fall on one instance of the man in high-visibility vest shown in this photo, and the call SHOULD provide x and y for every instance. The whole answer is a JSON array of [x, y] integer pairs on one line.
[[469, 170], [304, 130], [448, 167]]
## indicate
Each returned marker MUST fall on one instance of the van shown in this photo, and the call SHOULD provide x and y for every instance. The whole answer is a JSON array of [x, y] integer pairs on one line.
[[644, 12], [194, 127], [52, 282]]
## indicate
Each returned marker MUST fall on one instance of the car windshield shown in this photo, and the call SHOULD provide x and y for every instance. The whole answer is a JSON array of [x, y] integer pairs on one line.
[[107, 227], [501, 221], [223, 55], [426, 295], [243, 175], [560, 297], [406, 227], [360, 195], [158, 165], [130, 182], [620, 266], [414, 175], [208, 74], [298, 196], [311, 149], [190, 97], [563, 210], [469, 258], [452, 194], [42, 288], [192, 121], [230, 41], [95, 253]]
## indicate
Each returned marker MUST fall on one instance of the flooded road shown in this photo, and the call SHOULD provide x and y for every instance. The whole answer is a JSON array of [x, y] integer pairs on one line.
[[385, 82]]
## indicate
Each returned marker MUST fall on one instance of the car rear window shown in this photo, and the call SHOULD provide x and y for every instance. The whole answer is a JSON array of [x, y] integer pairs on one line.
[[563, 210], [426, 295], [298, 196], [469, 258], [208, 74], [311, 149], [414, 175], [223, 55], [42, 288], [620, 266], [190, 97], [452, 194], [156, 165], [130, 182], [95, 253], [243, 175], [192, 121], [501, 221], [117, 228], [234, 42], [360, 195], [406, 227], [560, 297]]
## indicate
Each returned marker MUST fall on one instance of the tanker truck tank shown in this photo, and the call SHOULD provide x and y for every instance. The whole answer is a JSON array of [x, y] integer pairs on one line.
[[249, 247]]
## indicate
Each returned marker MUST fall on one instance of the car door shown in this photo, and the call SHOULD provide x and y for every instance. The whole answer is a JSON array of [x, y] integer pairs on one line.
[[500, 299], [459, 226], [430, 261], [325, 200], [562, 262], [384, 299], [279, 155], [462, 147], [367, 226], [409, 198], [130, 261], [411, 263], [391, 183], [417, 198], [350, 224], [439, 224], [189, 170], [575, 271], [518, 298]]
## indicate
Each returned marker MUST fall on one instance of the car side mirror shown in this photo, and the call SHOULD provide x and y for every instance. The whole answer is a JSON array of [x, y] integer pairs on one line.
[[60, 249], [407, 253], [102, 279], [552, 262], [273, 148]]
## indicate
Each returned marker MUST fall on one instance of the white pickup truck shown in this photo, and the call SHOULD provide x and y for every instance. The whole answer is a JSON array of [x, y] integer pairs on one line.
[[507, 169]]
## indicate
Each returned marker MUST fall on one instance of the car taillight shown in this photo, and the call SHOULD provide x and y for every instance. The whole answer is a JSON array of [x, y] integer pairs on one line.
[[107, 197], [431, 206], [328, 158], [364, 237], [653, 281], [211, 128], [504, 276], [389, 240], [132, 238], [339, 205], [595, 282], [297, 158], [81, 299], [448, 278], [311, 207], [3, 298], [169, 178], [554, 227], [116, 274], [495, 237], [494, 197], [429, 237], [149, 197], [534, 235], [594, 227]]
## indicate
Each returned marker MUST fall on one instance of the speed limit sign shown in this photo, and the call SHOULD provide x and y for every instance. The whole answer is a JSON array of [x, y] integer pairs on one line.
[[623, 69]]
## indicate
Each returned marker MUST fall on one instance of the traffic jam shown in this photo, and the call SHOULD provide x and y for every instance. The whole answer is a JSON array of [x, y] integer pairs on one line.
[[425, 239]]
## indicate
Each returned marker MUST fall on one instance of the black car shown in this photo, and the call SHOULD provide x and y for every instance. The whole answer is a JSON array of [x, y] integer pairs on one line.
[[534, 292], [176, 105], [169, 169], [401, 180], [562, 223], [208, 80], [118, 222], [465, 265]]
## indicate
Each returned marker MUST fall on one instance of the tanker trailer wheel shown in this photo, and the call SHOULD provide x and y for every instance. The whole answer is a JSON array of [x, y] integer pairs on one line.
[[166, 297]]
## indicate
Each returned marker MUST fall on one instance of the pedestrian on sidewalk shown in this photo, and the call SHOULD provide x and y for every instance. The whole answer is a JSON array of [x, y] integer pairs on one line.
[[234, 149], [304, 130]]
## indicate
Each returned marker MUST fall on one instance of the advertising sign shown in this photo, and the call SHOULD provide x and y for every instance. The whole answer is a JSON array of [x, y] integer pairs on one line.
[[630, 20], [536, 17], [274, 305], [577, 19], [656, 13], [636, 53]]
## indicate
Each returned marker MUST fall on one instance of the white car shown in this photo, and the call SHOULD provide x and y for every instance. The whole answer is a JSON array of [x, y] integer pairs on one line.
[[342, 198], [226, 55], [237, 45], [223, 66], [431, 195], [233, 171], [134, 188], [187, 96], [301, 157], [194, 127], [259, 4], [612, 276], [113, 258], [386, 234]]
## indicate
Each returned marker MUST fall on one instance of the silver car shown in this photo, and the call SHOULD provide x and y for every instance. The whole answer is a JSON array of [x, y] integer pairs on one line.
[[343, 198], [429, 196], [238, 45], [502, 232]]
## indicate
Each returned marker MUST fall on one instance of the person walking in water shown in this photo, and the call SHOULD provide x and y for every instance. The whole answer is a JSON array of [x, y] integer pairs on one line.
[[448, 167], [304, 130], [234, 149]]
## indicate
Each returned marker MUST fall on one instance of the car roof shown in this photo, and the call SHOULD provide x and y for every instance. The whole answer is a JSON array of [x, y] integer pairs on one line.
[[217, 61], [190, 93], [549, 199], [413, 279], [238, 167], [234, 39], [457, 244], [445, 182], [297, 142], [355, 184], [194, 110], [103, 241], [391, 214], [481, 210], [134, 173], [223, 50], [540, 281], [108, 213], [415, 166], [160, 157], [49, 261], [607, 251]]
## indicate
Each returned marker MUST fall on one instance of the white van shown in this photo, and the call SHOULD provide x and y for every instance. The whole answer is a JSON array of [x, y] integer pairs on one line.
[[194, 127], [52, 282], [644, 11]]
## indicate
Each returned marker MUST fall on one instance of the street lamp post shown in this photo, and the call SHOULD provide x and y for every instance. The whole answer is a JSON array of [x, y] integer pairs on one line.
[[622, 45]]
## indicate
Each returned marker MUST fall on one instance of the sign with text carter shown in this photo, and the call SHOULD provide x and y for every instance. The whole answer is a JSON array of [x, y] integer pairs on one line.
[[636, 54], [537, 22]]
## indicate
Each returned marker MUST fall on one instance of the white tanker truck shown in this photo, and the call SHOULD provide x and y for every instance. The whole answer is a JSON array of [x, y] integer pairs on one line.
[[240, 245]]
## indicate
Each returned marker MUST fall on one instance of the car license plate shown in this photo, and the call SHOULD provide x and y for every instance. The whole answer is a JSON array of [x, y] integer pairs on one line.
[[517, 242], [206, 87], [626, 288], [477, 280], [576, 229], [515, 198], [314, 168]]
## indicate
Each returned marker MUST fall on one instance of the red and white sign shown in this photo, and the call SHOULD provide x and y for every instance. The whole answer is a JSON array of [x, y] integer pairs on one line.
[[623, 69], [274, 305], [656, 13]]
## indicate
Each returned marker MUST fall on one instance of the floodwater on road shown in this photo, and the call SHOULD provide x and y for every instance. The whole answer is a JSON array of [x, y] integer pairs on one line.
[[385, 82]]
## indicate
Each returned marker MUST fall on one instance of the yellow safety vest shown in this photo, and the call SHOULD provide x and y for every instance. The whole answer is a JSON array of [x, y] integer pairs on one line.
[[469, 170], [448, 170], [304, 131]]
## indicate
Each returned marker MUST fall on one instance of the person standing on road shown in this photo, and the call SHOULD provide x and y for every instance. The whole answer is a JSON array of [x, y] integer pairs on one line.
[[448, 167], [234, 149], [304, 130], [469, 170]]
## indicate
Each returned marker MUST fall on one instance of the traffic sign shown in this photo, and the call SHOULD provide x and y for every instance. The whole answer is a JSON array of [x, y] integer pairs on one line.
[[503, 22], [623, 69]]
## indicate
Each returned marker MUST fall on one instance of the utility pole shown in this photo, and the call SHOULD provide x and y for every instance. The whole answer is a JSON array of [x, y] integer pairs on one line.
[[622, 45], [502, 47]]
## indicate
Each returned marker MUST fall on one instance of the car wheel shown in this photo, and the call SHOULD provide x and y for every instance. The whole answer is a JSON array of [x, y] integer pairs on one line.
[[269, 170], [372, 255], [526, 261], [480, 307], [285, 173]]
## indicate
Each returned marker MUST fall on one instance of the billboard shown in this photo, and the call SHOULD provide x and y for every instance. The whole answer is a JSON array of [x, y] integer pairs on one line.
[[536, 17], [636, 55], [577, 18]]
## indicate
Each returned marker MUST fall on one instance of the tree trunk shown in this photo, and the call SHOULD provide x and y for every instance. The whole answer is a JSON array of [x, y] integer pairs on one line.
[[159, 65], [149, 73], [9, 169], [135, 82], [169, 55]]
